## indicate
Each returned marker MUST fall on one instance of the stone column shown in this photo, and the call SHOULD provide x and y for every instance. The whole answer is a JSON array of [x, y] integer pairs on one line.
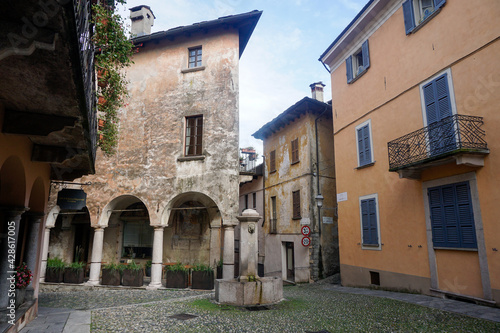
[[95, 265], [228, 256], [45, 253], [31, 253], [157, 260], [249, 239], [8, 251]]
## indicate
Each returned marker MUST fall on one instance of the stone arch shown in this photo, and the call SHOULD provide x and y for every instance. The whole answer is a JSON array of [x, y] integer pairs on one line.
[[37, 197], [120, 202], [12, 183], [214, 214]]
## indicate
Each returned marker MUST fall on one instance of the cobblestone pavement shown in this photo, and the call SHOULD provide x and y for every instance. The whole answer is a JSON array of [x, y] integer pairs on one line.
[[307, 308]]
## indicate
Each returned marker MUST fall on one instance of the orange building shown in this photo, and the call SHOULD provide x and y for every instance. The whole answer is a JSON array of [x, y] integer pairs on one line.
[[415, 89]]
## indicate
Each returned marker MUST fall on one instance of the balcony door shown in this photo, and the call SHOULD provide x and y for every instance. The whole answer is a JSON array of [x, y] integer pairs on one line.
[[438, 110]]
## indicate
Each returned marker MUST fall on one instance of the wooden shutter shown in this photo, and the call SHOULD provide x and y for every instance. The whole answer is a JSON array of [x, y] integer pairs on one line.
[[409, 16], [295, 150], [366, 55], [348, 67], [369, 221], [452, 217], [272, 161], [364, 146], [438, 4], [437, 99], [296, 204]]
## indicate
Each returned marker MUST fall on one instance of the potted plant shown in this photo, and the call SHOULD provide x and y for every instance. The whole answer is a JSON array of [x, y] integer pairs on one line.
[[177, 276], [111, 274], [55, 270], [74, 273], [133, 275], [23, 279], [148, 267], [202, 277]]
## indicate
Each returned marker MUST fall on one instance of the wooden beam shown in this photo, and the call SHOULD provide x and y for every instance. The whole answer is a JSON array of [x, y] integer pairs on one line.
[[34, 124]]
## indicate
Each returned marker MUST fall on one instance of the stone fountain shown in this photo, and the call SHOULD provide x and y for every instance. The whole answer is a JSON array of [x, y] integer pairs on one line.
[[249, 289]]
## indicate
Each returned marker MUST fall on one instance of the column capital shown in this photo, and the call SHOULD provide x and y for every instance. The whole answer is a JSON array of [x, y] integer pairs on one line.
[[14, 210], [98, 228], [158, 227]]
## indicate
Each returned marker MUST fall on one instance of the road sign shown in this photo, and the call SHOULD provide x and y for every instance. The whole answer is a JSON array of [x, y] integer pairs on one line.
[[306, 241], [306, 231]]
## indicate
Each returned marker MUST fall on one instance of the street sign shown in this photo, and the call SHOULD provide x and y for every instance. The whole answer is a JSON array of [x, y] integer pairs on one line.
[[306, 241], [71, 199], [306, 231]]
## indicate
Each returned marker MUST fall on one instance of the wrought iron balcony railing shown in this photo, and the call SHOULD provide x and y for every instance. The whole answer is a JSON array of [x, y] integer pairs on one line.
[[452, 135], [83, 20]]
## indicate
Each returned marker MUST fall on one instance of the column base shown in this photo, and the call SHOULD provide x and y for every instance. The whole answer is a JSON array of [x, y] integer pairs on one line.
[[92, 283], [154, 286]]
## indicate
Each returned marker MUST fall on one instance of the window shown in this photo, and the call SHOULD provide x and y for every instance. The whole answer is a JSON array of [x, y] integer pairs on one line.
[[194, 135], [246, 201], [272, 161], [296, 204], [254, 200], [416, 12], [364, 144], [194, 57], [452, 218], [137, 240], [370, 233], [274, 219], [358, 63], [295, 151]]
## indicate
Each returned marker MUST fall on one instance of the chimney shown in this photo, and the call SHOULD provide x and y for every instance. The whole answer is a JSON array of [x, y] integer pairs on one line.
[[142, 20], [317, 91]]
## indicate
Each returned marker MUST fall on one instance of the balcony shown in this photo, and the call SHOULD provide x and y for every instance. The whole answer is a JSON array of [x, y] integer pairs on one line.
[[48, 83], [456, 138]]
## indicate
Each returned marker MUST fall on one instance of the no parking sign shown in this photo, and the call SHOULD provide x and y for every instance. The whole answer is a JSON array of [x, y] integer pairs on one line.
[[306, 231], [306, 241]]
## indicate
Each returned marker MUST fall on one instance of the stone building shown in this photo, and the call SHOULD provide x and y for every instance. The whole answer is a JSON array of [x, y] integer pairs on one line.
[[415, 91], [170, 193], [299, 170], [48, 130]]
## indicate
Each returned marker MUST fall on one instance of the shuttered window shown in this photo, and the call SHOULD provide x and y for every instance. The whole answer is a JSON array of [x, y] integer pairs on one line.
[[272, 161], [296, 204], [417, 12], [452, 217], [358, 63], [364, 145], [194, 136], [295, 151], [369, 222]]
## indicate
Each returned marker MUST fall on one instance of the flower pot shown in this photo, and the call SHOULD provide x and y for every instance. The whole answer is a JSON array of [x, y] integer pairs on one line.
[[20, 295], [101, 124], [202, 280], [101, 100], [133, 278], [54, 275], [177, 279], [110, 277], [72, 275]]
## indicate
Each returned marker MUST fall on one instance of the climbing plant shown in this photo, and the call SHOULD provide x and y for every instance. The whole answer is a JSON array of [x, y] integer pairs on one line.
[[113, 53]]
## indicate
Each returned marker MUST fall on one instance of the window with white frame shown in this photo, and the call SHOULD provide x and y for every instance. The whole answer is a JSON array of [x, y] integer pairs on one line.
[[416, 12], [370, 222], [358, 63], [364, 144]]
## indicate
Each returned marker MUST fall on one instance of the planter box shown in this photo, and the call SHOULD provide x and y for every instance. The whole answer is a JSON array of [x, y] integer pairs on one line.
[[148, 271], [202, 280], [177, 279], [110, 277], [52, 275], [132, 278], [73, 276]]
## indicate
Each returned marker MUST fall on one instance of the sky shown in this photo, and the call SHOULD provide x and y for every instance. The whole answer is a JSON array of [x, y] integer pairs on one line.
[[280, 60]]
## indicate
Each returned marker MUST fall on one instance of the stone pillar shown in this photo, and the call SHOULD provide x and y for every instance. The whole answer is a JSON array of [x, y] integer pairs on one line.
[[31, 253], [249, 238], [8, 251], [228, 256], [45, 253], [157, 260], [95, 265]]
